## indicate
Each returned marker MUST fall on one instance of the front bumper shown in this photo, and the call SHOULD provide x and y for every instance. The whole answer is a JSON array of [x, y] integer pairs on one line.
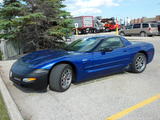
[[40, 83]]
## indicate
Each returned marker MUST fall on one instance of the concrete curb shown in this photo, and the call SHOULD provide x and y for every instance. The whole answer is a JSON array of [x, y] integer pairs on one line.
[[13, 111]]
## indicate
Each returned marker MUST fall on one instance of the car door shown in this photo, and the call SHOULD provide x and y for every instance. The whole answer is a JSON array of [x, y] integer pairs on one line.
[[136, 29], [110, 61], [128, 30], [145, 27]]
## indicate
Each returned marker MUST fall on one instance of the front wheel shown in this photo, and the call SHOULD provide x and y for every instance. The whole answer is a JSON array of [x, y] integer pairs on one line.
[[139, 63], [60, 77], [121, 34]]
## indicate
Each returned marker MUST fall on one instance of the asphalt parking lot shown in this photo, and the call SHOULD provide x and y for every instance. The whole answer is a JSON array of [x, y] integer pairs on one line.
[[99, 99]]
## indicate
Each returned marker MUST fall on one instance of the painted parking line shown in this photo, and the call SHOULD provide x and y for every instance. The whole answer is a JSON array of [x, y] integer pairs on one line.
[[128, 110]]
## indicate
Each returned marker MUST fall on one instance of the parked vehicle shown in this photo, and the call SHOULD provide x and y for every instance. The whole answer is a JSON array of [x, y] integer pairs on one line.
[[110, 24], [85, 24], [81, 60], [143, 29], [90, 24], [98, 25]]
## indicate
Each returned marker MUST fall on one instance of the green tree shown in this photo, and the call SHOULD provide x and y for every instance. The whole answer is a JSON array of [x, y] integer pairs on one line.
[[35, 24]]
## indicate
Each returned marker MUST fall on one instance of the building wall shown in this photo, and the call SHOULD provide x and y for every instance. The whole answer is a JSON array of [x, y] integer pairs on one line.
[[144, 19]]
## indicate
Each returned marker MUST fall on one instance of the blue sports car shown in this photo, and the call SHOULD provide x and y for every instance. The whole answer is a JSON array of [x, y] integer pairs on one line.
[[83, 59]]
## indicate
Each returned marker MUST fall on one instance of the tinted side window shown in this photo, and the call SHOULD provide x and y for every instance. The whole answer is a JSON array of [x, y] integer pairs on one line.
[[114, 43], [129, 27], [145, 25], [136, 26], [154, 25]]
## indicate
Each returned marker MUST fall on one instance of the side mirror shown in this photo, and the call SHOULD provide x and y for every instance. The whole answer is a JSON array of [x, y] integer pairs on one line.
[[108, 49]]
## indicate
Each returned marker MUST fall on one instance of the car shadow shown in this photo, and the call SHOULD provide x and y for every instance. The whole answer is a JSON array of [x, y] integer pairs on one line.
[[98, 79], [28, 90]]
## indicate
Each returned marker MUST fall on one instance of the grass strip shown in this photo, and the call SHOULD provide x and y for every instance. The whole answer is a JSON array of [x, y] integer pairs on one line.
[[3, 110]]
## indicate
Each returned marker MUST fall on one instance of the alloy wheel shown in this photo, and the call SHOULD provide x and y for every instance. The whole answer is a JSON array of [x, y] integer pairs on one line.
[[140, 63], [66, 78]]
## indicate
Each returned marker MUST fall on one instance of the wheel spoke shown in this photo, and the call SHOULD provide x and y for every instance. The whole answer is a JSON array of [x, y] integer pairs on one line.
[[140, 63], [66, 78]]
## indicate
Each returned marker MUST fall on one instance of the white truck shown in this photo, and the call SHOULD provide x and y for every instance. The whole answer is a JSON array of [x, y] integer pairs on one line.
[[88, 24]]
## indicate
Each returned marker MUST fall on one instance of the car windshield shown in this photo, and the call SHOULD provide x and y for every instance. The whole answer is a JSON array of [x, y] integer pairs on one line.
[[83, 45]]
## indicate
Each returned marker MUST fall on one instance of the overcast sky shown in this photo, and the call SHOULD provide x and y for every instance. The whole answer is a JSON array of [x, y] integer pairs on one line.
[[114, 8]]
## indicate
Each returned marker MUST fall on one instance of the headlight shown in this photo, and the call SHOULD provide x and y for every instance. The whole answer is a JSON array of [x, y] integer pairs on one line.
[[37, 71]]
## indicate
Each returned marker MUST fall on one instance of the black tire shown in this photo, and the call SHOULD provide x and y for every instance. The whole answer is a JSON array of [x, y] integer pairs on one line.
[[55, 78], [107, 30], [143, 34], [122, 34], [134, 67]]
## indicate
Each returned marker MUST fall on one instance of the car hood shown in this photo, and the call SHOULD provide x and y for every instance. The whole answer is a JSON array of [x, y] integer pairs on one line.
[[43, 56]]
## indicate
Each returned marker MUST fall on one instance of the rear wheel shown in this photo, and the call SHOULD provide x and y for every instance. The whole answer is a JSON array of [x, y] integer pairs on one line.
[[107, 30], [61, 77], [143, 34], [139, 63]]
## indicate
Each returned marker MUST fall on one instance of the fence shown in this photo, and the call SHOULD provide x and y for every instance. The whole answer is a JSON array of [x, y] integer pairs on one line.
[[9, 49]]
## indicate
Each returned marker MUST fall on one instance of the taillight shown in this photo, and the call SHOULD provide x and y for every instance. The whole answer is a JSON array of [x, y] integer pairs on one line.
[[149, 29]]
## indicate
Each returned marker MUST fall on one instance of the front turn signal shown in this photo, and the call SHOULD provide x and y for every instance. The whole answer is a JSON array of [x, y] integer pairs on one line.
[[29, 79]]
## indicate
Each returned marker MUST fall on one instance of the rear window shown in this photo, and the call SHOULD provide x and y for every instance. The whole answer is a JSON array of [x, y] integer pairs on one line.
[[145, 25], [154, 25], [136, 26]]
